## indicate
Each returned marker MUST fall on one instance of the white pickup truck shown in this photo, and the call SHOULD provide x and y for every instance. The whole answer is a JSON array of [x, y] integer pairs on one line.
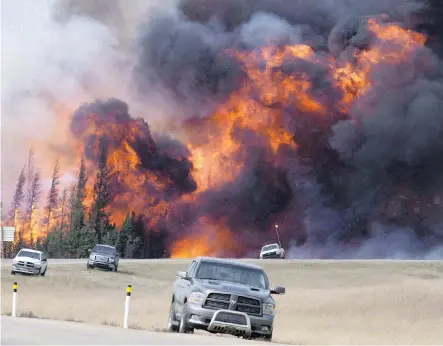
[[29, 261], [272, 251]]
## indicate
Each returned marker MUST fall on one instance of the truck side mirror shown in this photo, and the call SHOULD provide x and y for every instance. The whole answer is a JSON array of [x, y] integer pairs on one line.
[[181, 274], [278, 290]]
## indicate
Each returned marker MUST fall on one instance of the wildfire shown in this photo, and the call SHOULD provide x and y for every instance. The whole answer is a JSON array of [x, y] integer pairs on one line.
[[255, 115], [209, 239], [393, 45]]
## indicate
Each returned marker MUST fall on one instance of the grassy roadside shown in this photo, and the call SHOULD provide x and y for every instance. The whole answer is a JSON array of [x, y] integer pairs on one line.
[[326, 303]]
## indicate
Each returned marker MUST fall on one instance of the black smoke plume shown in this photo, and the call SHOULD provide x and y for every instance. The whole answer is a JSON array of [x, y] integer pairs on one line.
[[109, 123], [346, 183]]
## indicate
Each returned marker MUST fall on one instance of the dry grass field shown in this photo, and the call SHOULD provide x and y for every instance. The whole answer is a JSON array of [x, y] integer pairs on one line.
[[383, 302]]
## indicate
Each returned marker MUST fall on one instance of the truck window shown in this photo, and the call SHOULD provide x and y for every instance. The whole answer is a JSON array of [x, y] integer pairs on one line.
[[190, 270]]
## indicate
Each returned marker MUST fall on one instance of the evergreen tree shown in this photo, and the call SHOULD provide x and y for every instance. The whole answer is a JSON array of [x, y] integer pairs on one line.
[[110, 238], [54, 244], [73, 240], [86, 240], [139, 234], [123, 236], [32, 202], [38, 244], [99, 217], [17, 199], [63, 202], [77, 208], [129, 247], [52, 200]]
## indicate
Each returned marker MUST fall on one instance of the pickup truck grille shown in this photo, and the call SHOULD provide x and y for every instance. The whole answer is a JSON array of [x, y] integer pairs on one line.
[[270, 255], [250, 306], [25, 264]]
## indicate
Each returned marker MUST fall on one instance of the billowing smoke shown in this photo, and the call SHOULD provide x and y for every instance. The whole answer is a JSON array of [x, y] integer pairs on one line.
[[358, 170], [323, 117], [145, 172]]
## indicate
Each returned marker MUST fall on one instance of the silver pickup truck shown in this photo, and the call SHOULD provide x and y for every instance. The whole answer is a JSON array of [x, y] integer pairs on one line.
[[223, 296]]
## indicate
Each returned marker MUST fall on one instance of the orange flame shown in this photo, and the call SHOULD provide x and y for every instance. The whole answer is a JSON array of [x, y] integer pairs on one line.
[[210, 240], [258, 107]]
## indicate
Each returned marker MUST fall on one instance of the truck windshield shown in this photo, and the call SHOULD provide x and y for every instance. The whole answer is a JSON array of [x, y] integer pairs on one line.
[[24, 253], [104, 249], [269, 247], [233, 273]]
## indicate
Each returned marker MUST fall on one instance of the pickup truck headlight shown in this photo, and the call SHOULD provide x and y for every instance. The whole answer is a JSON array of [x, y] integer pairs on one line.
[[91, 257], [196, 298], [268, 309], [111, 259]]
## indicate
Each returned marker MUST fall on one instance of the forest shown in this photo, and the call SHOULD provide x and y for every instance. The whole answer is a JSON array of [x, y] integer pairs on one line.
[[63, 226]]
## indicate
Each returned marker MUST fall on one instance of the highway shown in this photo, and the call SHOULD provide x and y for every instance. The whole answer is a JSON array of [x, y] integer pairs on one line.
[[31, 331]]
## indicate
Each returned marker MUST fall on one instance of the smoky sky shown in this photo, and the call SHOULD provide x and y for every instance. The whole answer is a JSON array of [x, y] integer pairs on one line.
[[359, 164], [377, 164]]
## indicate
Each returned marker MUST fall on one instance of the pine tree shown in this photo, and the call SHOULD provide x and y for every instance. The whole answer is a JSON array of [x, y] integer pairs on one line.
[[139, 232], [86, 240], [126, 231], [18, 197], [78, 209], [32, 201], [63, 202], [99, 217], [129, 247], [52, 200], [73, 240]]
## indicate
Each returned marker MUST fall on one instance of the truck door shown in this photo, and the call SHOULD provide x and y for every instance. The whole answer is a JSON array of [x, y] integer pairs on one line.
[[184, 287]]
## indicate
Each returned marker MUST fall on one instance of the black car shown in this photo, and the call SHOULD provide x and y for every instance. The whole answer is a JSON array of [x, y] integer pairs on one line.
[[103, 256]]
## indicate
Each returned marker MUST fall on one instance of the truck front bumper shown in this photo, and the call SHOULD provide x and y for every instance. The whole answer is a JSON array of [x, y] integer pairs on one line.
[[100, 264], [203, 318], [270, 256], [25, 269]]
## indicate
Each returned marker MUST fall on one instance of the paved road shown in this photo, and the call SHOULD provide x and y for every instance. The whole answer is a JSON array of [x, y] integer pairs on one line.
[[83, 261], [165, 260], [30, 331]]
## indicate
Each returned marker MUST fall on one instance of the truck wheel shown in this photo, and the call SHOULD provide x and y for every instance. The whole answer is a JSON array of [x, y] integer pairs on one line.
[[268, 338], [171, 325], [12, 272], [43, 274], [184, 326]]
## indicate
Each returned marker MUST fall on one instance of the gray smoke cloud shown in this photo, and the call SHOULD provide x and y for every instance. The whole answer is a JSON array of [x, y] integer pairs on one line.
[[378, 181], [56, 55]]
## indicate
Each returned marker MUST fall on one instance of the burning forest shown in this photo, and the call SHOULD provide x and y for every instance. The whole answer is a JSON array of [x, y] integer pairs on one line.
[[328, 125]]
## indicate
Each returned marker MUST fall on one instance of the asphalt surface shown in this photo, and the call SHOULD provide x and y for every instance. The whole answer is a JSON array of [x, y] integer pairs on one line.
[[31, 331], [57, 261]]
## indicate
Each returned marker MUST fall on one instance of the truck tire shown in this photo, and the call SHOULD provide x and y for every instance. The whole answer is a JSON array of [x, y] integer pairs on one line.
[[184, 326], [171, 326], [44, 273]]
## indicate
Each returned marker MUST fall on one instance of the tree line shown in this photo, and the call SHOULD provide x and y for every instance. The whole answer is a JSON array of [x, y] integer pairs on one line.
[[67, 229]]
